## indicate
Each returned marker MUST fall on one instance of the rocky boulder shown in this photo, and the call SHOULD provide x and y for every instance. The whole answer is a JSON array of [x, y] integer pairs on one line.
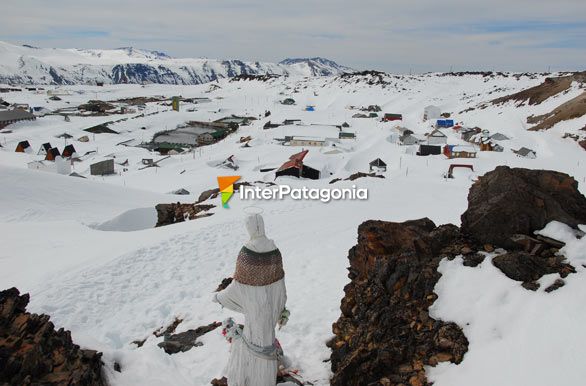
[[168, 214], [32, 352], [385, 335], [509, 201]]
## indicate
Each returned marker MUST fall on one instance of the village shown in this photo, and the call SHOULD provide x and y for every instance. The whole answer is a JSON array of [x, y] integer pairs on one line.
[[103, 132]]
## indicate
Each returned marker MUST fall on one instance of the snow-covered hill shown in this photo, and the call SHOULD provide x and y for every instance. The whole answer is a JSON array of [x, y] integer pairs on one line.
[[31, 65]]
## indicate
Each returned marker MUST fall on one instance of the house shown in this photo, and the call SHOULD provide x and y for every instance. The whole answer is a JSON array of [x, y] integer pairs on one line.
[[68, 151], [345, 135], [378, 165], [309, 108], [372, 115], [408, 140], [288, 101], [296, 168], [403, 131], [306, 141], [389, 117], [454, 166], [359, 115], [445, 123], [52, 154], [235, 119], [499, 137], [431, 112], [425, 150], [44, 149], [8, 117], [526, 153], [458, 151], [270, 125], [102, 168], [60, 166], [23, 147], [469, 132], [345, 125], [436, 137]]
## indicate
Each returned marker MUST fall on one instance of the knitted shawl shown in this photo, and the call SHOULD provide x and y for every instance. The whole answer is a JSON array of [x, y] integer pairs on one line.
[[258, 268]]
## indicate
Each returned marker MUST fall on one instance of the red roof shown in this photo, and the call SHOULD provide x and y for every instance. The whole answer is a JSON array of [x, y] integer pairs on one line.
[[295, 161]]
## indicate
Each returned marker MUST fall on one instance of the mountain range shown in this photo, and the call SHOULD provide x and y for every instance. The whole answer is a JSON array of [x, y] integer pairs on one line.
[[31, 65]]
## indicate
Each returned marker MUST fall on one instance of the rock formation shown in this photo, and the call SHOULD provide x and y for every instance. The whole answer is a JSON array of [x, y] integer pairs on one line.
[[168, 214], [506, 201], [33, 353], [385, 334]]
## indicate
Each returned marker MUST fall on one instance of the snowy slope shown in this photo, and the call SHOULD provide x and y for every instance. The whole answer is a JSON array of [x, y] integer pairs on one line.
[[29, 65], [85, 252]]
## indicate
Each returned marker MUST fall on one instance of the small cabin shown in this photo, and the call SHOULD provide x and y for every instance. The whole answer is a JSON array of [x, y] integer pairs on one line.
[[52, 154], [378, 166], [389, 117], [23, 147]]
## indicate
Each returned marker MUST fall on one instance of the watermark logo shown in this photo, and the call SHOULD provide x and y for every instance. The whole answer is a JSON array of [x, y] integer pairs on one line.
[[226, 184]]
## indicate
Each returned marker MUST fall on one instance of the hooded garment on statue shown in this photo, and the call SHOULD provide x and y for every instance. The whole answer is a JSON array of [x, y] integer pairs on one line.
[[258, 292]]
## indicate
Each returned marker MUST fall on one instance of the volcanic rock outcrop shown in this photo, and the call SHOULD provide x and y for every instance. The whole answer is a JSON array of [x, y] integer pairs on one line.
[[385, 334], [33, 353], [507, 201]]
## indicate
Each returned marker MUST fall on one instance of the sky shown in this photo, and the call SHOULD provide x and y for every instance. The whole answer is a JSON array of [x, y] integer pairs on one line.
[[389, 35]]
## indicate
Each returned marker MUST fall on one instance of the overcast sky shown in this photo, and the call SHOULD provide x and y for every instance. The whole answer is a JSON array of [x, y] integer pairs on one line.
[[388, 35]]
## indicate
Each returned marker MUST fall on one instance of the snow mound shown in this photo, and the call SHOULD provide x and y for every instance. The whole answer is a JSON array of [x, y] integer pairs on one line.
[[132, 220]]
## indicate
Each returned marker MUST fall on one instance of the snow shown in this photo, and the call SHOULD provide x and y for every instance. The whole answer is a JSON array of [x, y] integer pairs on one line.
[[86, 251], [517, 336]]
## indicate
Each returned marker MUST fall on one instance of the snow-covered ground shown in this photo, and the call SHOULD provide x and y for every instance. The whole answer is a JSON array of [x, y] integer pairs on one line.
[[86, 251]]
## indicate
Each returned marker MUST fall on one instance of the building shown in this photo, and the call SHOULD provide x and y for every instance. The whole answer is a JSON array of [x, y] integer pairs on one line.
[[445, 123], [499, 137], [345, 135], [44, 149], [377, 165], [292, 122], [296, 168], [436, 137], [288, 101], [389, 117], [431, 112], [102, 168], [52, 154], [68, 151], [270, 125], [8, 117], [359, 115], [306, 141], [60, 166], [526, 153], [458, 151], [408, 140], [425, 150], [23, 147]]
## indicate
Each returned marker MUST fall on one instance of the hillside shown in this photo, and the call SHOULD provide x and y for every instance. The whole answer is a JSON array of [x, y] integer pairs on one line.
[[88, 254]]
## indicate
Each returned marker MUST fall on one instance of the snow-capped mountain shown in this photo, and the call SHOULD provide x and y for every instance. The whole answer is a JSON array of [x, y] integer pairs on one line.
[[318, 66], [31, 65]]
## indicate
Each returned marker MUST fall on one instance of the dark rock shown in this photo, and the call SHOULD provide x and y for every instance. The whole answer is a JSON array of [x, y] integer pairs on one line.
[[385, 334], [530, 285], [473, 260], [508, 201], [32, 352], [224, 284], [170, 328], [220, 382], [117, 367], [168, 214], [525, 267], [555, 285], [185, 341], [356, 176]]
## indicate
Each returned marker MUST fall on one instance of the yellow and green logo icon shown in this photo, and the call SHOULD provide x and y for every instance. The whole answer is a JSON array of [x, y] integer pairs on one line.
[[226, 184]]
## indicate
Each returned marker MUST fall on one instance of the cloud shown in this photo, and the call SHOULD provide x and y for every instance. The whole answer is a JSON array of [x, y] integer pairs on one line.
[[425, 35]]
